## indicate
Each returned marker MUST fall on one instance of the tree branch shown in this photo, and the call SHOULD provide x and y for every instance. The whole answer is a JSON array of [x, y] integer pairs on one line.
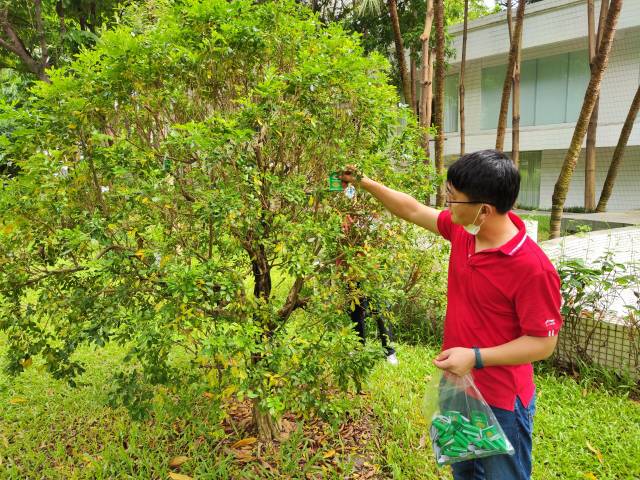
[[44, 51], [292, 300], [77, 268], [15, 45]]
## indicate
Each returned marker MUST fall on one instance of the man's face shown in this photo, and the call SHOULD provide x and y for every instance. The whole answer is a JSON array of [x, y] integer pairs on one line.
[[464, 210]]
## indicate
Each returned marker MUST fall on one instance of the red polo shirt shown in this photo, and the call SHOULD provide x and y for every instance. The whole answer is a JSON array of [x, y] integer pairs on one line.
[[495, 296]]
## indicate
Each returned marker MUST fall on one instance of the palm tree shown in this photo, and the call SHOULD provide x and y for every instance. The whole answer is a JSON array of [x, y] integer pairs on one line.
[[462, 65], [439, 97], [593, 89], [515, 99], [590, 158], [508, 79], [426, 91], [618, 153]]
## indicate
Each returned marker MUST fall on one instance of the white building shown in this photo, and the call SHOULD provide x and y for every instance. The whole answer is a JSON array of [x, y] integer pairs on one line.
[[554, 76]]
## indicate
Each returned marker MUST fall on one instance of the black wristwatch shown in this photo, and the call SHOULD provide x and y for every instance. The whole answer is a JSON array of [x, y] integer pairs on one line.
[[479, 363]]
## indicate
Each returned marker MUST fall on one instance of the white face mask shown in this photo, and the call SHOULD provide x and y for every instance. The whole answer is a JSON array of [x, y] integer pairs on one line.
[[472, 228]]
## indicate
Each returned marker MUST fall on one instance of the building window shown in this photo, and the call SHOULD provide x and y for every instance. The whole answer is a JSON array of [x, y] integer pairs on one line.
[[451, 96], [530, 165], [551, 90], [491, 84]]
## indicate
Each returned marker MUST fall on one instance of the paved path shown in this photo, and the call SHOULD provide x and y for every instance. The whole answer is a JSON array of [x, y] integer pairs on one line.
[[629, 217]]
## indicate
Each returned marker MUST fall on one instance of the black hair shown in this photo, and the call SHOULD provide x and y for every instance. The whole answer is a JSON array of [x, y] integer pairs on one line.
[[486, 176]]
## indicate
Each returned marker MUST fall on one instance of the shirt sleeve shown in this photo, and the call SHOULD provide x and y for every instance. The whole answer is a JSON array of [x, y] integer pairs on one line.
[[538, 304], [445, 224]]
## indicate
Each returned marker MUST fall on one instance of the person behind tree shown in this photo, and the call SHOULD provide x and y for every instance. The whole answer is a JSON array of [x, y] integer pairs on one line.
[[361, 305], [503, 296]]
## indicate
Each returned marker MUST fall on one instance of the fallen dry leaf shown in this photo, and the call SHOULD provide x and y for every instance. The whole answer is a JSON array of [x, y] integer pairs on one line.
[[177, 461], [17, 400], [179, 476], [329, 453], [244, 442], [596, 451]]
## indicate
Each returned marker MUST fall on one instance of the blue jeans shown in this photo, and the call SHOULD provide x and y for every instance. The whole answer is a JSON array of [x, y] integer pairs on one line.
[[518, 427]]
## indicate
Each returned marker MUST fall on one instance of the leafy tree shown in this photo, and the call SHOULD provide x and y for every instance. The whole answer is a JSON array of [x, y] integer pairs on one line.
[[378, 33], [173, 199]]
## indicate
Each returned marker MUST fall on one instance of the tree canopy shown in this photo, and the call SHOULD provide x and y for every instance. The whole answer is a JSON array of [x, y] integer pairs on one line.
[[172, 198]]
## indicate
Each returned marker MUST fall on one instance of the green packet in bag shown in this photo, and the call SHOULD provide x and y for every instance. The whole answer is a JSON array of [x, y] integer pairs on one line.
[[462, 426]]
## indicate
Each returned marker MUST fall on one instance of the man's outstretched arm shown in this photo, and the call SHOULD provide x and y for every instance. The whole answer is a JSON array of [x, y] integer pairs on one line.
[[398, 203]]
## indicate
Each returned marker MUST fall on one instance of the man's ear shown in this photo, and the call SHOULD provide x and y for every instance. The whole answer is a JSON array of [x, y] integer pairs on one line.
[[488, 209]]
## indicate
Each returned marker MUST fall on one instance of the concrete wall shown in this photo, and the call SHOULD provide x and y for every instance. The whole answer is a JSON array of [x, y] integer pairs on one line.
[[548, 22], [554, 27], [618, 88], [626, 192]]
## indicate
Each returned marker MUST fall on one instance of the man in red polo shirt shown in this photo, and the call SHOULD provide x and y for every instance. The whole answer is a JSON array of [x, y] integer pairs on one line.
[[503, 309]]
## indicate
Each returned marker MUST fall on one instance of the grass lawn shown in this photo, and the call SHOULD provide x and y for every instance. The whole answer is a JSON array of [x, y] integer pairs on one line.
[[543, 225], [48, 430]]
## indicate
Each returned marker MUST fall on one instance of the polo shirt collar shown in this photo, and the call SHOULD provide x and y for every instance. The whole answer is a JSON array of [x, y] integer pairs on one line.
[[513, 245]]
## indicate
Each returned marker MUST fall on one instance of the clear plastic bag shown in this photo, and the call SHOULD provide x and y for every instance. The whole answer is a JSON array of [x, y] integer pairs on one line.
[[462, 425]]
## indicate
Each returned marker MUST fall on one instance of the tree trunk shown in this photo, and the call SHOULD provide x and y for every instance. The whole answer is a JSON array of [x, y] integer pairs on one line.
[[515, 110], [414, 74], [261, 275], [508, 79], [593, 89], [60, 12], [426, 93], [402, 64], [439, 104], [590, 154], [618, 153], [510, 20], [44, 51], [15, 45], [268, 428], [462, 66]]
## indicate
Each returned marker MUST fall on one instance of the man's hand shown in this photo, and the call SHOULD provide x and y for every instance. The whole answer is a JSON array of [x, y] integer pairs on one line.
[[458, 360], [350, 174], [398, 203]]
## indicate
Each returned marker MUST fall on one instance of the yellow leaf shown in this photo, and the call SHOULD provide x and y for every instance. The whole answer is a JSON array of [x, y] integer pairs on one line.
[[71, 126], [140, 254], [177, 461], [27, 363], [18, 400], [590, 476], [87, 458], [179, 476], [311, 200], [596, 451], [329, 453], [244, 442]]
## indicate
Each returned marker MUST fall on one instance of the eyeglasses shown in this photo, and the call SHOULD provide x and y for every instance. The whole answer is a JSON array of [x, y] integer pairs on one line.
[[449, 202]]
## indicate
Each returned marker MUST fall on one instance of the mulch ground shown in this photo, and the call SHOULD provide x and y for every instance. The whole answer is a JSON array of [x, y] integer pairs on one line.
[[353, 444]]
